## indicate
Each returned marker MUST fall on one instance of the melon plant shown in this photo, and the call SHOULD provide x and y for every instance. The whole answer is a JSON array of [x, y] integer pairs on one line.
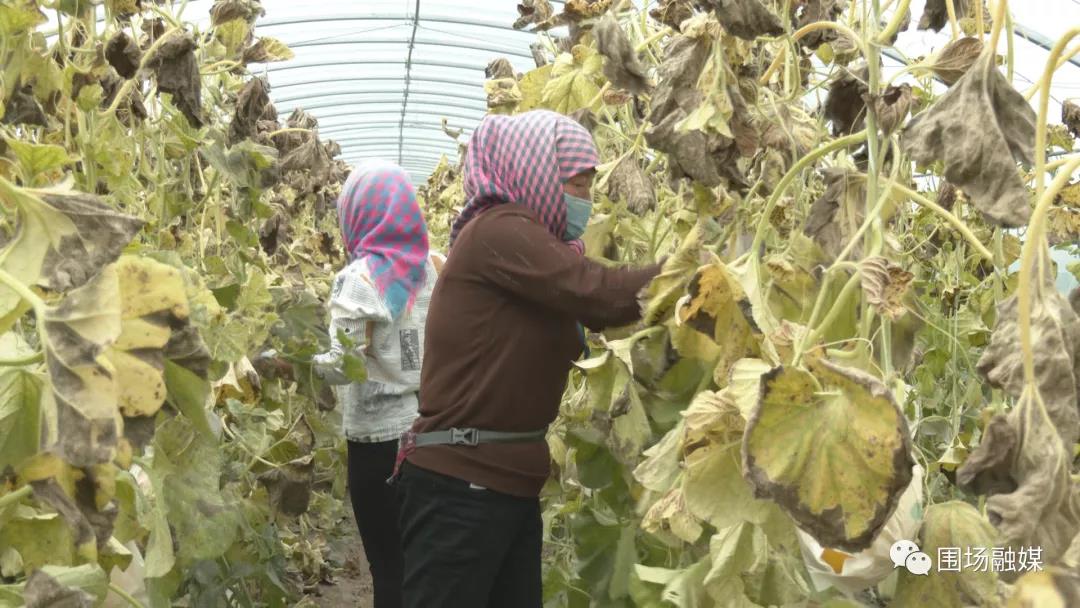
[[162, 227], [858, 297]]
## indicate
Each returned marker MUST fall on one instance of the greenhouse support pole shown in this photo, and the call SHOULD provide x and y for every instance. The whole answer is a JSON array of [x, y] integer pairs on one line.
[[408, 80]]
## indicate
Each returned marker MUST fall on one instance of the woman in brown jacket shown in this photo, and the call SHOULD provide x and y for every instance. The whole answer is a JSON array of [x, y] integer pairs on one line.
[[501, 334]]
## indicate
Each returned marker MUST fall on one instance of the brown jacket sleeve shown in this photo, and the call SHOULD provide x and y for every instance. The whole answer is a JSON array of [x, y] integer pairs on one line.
[[520, 255]]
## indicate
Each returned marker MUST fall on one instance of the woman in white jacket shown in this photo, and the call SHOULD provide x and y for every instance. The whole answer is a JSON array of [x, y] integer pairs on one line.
[[378, 306]]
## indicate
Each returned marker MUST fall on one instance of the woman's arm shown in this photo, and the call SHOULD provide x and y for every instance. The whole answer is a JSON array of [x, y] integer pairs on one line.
[[517, 253]]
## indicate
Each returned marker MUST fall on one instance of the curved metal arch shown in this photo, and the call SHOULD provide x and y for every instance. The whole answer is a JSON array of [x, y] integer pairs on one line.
[[462, 83], [367, 126], [415, 145], [382, 100], [344, 18], [481, 99], [454, 45], [323, 64], [431, 141], [392, 151], [393, 146], [425, 127], [473, 119]]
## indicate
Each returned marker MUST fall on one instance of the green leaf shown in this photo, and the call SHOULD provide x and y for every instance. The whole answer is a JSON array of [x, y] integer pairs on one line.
[[20, 416], [189, 393], [950, 524], [19, 17], [39, 158], [39, 539], [188, 465], [574, 82], [354, 368], [832, 448]]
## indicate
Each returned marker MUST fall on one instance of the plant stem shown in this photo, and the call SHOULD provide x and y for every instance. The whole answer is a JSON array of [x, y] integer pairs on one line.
[[830, 25], [1044, 105], [1065, 57], [24, 360], [894, 23], [951, 10], [15, 496], [954, 221], [785, 182], [125, 596], [815, 334], [1033, 244]]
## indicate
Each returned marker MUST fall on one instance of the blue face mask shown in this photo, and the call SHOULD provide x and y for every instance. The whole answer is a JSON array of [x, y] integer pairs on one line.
[[578, 211]]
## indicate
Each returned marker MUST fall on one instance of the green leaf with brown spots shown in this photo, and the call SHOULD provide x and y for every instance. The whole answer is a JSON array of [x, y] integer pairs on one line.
[[831, 448]]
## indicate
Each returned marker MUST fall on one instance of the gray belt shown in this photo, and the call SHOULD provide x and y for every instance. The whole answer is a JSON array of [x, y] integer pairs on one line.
[[473, 437]]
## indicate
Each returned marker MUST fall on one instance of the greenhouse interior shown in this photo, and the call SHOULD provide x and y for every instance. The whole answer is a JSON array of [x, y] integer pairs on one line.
[[532, 303]]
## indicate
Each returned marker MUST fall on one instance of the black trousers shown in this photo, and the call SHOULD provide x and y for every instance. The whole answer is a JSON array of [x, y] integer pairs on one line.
[[375, 506], [467, 547]]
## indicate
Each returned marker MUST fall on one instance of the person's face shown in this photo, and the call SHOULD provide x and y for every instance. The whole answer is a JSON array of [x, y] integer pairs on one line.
[[580, 185]]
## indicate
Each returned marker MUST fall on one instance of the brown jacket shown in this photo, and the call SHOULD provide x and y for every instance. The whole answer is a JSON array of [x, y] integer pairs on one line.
[[500, 339]]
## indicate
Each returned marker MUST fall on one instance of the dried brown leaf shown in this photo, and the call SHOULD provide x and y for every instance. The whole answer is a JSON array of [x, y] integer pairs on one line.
[[289, 486], [891, 107], [630, 184], [533, 12], [746, 19], [980, 128], [935, 15], [44, 591], [1033, 501], [224, 11], [1070, 116], [123, 54], [844, 105], [673, 12], [621, 64], [499, 68], [956, 58], [252, 106], [177, 72], [22, 109], [885, 284], [819, 10], [836, 214]]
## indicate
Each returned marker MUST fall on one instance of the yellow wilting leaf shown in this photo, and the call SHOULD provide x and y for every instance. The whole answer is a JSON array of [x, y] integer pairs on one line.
[[532, 86], [832, 449], [82, 406], [719, 308], [885, 284], [153, 296], [267, 50], [62, 238], [503, 95], [573, 84], [1051, 588], [669, 517], [234, 34]]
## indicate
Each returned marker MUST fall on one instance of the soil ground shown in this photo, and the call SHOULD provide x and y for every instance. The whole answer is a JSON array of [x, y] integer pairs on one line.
[[352, 585]]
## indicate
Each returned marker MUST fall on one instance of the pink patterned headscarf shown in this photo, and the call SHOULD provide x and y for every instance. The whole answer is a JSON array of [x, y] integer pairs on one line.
[[382, 224], [525, 159]]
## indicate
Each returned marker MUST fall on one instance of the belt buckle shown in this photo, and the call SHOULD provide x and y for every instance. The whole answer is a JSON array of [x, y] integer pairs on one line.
[[470, 437]]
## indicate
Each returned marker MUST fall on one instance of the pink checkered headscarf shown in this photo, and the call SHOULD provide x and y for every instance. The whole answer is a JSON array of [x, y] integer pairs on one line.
[[382, 224], [525, 159]]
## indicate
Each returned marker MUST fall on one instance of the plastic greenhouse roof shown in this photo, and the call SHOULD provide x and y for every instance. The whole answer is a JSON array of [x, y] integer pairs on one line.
[[381, 75]]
